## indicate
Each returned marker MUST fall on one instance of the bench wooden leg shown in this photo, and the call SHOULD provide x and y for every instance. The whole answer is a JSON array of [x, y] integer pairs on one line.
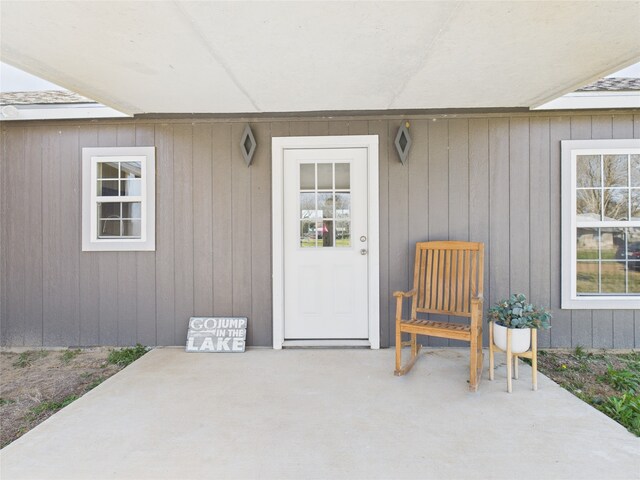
[[473, 362], [415, 350], [491, 361], [509, 361], [534, 358], [398, 351]]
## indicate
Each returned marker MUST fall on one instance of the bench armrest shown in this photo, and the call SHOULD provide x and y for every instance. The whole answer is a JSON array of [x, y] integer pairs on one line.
[[410, 293]]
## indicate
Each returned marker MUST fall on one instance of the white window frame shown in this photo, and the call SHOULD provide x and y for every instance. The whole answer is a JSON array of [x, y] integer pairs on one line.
[[570, 150], [90, 159]]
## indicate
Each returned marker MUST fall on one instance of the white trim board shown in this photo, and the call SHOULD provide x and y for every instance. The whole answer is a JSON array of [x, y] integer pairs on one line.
[[278, 146]]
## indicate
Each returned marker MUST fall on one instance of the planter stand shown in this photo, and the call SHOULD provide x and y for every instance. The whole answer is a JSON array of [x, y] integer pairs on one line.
[[512, 358]]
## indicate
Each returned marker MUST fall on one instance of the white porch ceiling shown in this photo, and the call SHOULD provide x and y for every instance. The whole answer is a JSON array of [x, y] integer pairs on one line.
[[241, 57]]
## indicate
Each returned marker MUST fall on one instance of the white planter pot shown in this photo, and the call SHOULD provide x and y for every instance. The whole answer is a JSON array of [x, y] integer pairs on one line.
[[520, 338]]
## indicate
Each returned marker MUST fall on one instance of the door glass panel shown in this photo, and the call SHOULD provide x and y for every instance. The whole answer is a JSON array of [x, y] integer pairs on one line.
[[307, 233], [343, 234], [308, 205], [325, 213], [616, 170], [343, 205], [325, 176], [307, 176], [326, 233], [343, 176], [325, 203], [588, 170]]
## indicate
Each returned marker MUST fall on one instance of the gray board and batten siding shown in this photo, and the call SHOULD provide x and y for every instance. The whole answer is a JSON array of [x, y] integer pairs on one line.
[[493, 178]]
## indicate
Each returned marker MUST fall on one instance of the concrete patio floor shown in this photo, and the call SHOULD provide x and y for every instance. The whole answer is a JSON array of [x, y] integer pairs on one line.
[[321, 414]]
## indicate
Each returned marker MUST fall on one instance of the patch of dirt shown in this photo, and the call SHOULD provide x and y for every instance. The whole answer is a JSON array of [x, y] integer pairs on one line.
[[583, 373], [37, 383]]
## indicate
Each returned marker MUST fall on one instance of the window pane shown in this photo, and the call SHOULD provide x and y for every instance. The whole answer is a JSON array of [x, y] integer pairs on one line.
[[343, 234], [616, 170], [343, 205], [612, 243], [131, 210], [308, 205], [613, 277], [327, 234], [634, 277], [588, 205], [108, 228], [307, 233], [108, 210], [307, 176], [107, 188], [587, 244], [587, 277], [131, 228], [325, 176], [616, 204], [635, 170], [635, 204], [131, 188], [130, 170], [325, 203], [108, 170], [588, 170], [343, 176]]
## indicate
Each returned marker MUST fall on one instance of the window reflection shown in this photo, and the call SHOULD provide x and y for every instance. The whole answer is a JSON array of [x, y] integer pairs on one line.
[[588, 171], [608, 261], [325, 214]]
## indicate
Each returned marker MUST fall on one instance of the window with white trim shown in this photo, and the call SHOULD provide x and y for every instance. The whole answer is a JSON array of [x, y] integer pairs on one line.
[[118, 199], [601, 224]]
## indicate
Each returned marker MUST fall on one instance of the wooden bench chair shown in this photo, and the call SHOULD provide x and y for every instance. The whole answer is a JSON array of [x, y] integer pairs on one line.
[[447, 280]]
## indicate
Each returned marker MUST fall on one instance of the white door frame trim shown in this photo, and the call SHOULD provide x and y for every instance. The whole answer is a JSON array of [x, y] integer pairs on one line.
[[278, 147]]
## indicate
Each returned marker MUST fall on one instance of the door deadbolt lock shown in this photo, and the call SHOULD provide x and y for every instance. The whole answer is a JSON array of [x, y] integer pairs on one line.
[[363, 238], [363, 251]]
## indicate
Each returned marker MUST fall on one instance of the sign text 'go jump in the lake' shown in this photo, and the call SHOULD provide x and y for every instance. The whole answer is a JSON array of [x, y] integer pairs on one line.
[[217, 334]]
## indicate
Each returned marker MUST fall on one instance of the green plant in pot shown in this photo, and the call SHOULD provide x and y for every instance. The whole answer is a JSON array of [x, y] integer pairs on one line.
[[517, 314]]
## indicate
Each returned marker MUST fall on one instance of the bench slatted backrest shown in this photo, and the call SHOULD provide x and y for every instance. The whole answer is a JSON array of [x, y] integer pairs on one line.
[[447, 275]]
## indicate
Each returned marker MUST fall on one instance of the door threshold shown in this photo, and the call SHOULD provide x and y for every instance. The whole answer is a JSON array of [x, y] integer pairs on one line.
[[328, 343]]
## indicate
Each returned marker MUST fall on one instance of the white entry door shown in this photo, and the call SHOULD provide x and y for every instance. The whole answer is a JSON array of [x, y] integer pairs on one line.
[[325, 244]]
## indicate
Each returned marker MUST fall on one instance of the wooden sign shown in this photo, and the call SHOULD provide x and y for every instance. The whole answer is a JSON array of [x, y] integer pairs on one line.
[[217, 334]]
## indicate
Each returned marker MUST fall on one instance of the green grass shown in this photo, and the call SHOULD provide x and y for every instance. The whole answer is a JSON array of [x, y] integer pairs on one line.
[[624, 410], [593, 379], [6, 401], [95, 383], [43, 407], [627, 381], [125, 356], [69, 355], [27, 358]]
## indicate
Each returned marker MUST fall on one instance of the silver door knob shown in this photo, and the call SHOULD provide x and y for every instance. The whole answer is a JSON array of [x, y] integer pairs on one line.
[[363, 251]]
